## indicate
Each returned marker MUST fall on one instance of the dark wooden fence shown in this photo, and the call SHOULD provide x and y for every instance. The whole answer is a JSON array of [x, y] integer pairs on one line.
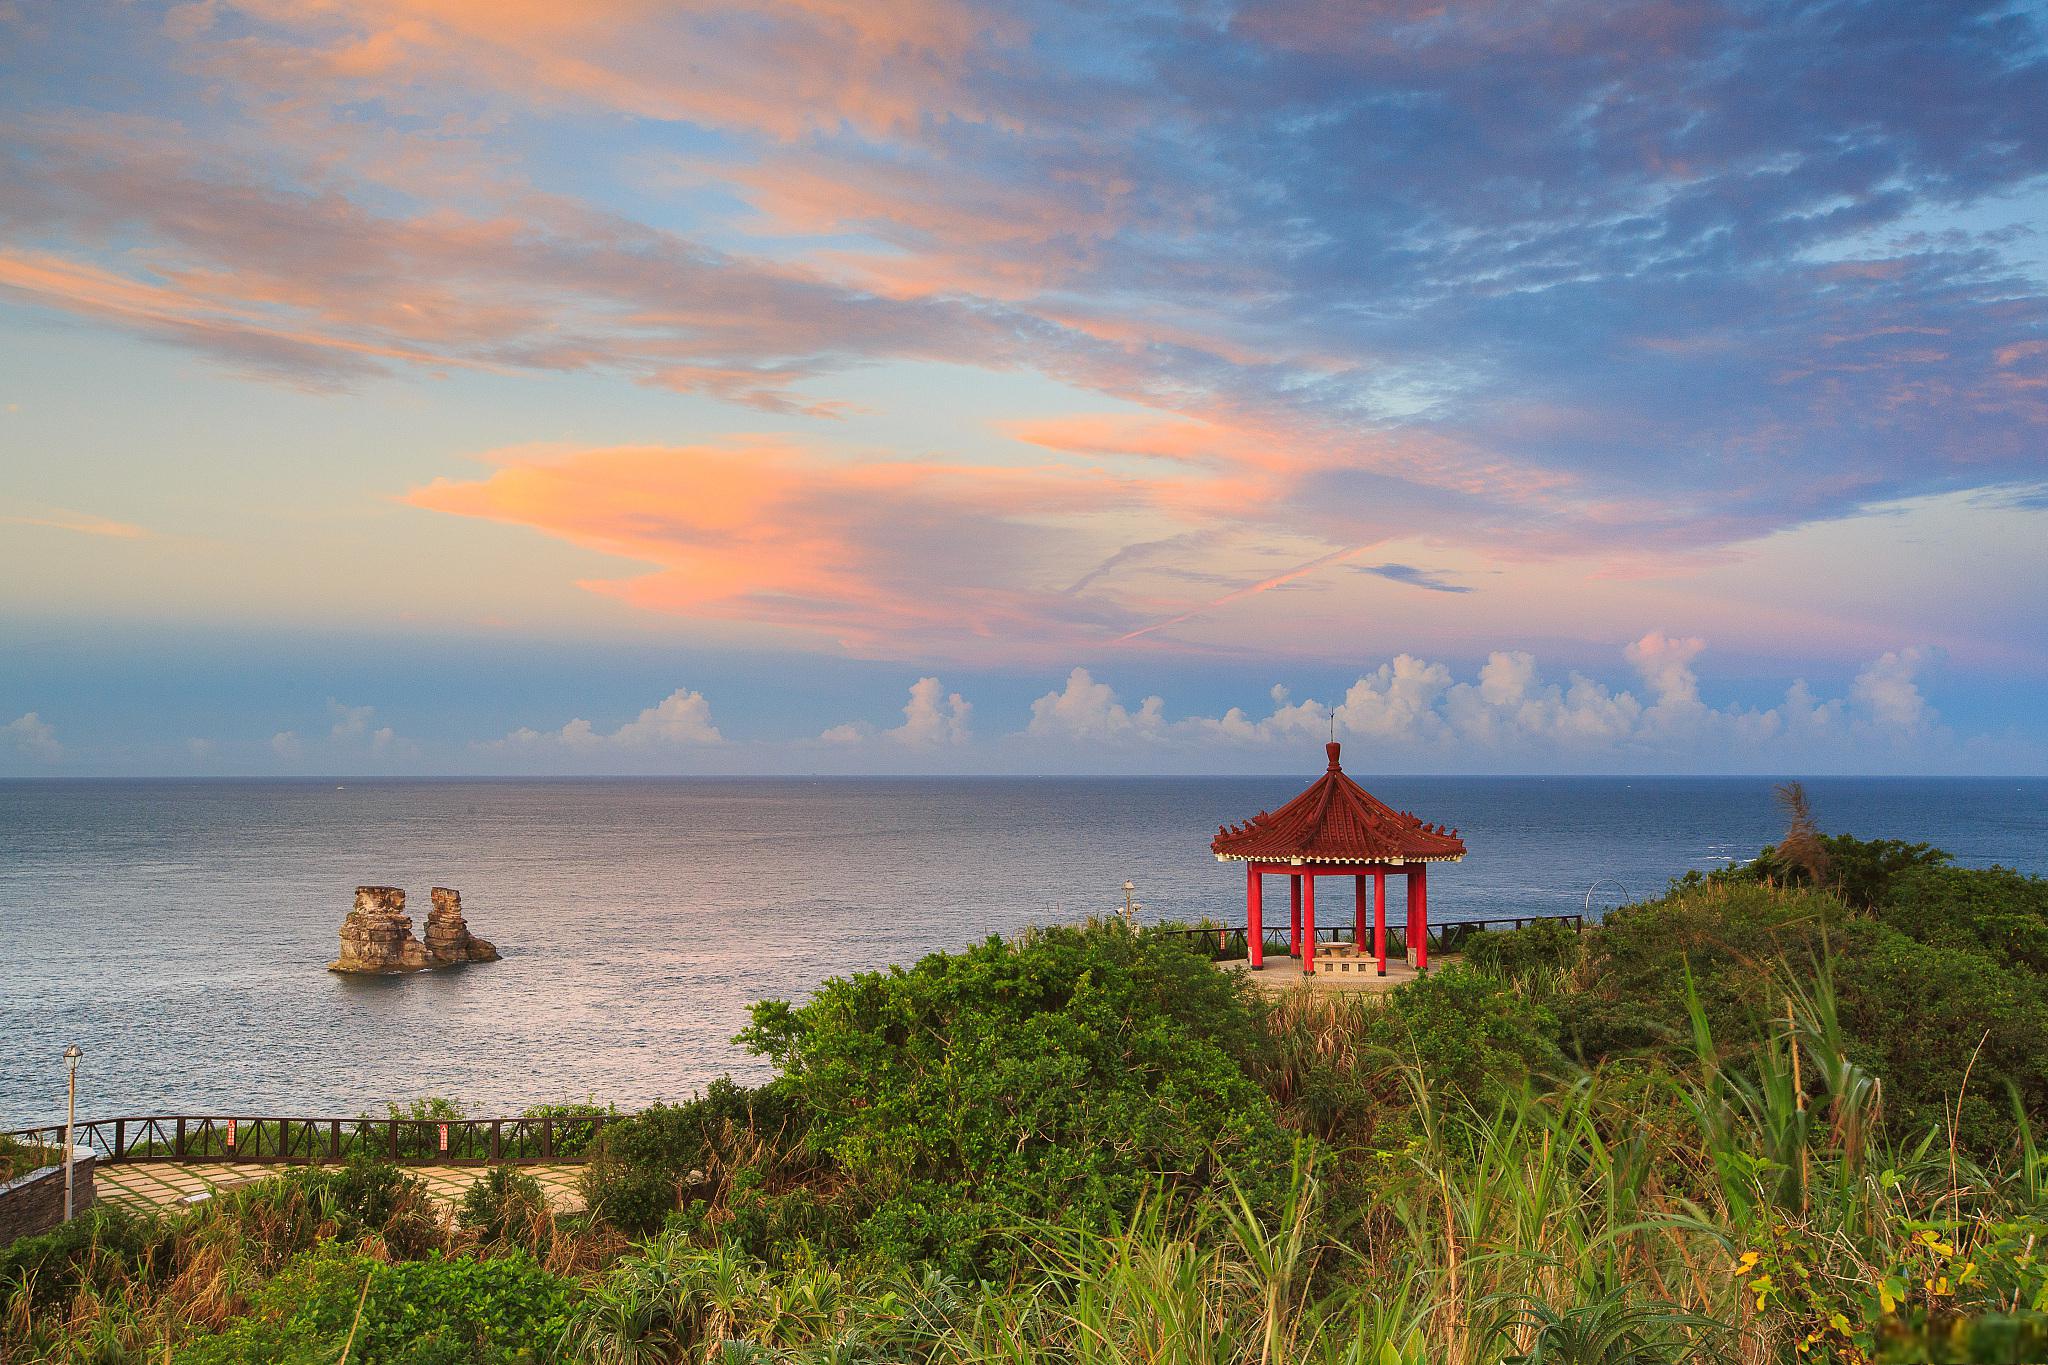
[[270, 1140], [1226, 941]]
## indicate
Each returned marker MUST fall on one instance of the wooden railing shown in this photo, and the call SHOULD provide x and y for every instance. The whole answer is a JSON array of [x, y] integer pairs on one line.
[[271, 1140], [1445, 936]]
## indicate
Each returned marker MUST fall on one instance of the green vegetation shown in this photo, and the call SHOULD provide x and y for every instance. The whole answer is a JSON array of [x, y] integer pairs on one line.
[[19, 1158], [1784, 1112]]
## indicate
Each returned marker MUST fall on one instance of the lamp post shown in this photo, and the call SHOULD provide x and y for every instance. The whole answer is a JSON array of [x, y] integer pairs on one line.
[[1130, 906], [71, 1056]]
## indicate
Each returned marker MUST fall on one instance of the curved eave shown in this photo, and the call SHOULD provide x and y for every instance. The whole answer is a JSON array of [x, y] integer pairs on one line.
[[1391, 860]]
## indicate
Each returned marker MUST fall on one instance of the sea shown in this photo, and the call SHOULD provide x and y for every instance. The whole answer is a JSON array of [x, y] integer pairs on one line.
[[178, 931]]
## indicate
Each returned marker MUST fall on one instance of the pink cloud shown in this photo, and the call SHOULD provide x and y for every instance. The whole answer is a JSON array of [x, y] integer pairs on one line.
[[873, 557]]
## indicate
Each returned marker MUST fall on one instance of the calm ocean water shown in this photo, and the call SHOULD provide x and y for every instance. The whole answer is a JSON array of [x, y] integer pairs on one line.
[[178, 930]]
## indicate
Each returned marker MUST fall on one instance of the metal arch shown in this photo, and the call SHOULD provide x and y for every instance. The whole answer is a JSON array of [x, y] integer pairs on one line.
[[1626, 896]]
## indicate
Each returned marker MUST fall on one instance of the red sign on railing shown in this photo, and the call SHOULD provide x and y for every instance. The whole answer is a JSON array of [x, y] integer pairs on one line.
[[444, 1137], [231, 1132]]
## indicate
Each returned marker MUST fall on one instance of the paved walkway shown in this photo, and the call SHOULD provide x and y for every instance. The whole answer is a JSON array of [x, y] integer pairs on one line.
[[1334, 972], [145, 1185]]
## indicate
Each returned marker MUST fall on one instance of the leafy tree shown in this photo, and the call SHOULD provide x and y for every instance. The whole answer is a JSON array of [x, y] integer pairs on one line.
[[1060, 1077]]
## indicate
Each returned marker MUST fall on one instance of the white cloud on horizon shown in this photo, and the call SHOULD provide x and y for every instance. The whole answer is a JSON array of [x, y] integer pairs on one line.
[[932, 718], [1088, 710], [1417, 707], [33, 738], [352, 728], [680, 720]]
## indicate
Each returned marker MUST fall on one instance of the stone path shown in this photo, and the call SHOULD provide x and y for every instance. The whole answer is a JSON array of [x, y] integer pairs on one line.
[[146, 1185]]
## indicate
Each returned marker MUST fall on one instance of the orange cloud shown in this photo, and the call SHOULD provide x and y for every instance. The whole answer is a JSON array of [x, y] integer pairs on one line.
[[876, 557], [82, 523]]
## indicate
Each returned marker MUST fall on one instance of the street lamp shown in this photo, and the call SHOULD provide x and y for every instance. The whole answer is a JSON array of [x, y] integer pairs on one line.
[[1130, 906], [71, 1056]]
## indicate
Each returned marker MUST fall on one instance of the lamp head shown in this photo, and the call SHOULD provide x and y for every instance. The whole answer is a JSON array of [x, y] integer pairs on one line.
[[72, 1054]]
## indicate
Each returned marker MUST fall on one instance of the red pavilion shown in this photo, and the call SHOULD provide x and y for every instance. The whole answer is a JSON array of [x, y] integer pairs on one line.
[[1336, 829]]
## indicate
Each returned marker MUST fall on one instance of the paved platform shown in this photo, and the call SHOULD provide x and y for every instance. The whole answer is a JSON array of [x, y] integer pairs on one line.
[[145, 1185], [1339, 972]]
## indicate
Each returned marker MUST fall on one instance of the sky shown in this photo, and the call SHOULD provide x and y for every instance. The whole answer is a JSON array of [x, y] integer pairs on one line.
[[792, 386]]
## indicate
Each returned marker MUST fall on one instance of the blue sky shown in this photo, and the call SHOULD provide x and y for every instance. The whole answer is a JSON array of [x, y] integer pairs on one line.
[[426, 386]]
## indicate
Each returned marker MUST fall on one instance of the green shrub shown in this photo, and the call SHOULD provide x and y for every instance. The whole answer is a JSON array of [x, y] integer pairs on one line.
[[1994, 911], [502, 1311], [571, 1130], [19, 1158], [1728, 937], [107, 1245], [1925, 1015], [365, 1196], [1059, 1077], [505, 1205], [1546, 945], [1859, 871], [1468, 1034], [652, 1163]]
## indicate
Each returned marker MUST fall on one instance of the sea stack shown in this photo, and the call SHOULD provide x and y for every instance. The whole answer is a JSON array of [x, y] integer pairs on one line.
[[448, 938], [377, 936]]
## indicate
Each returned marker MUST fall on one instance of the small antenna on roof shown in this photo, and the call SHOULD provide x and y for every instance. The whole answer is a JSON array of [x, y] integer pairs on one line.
[[1333, 727]]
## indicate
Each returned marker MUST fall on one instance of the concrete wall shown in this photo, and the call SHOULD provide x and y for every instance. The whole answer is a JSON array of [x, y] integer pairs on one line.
[[35, 1202]]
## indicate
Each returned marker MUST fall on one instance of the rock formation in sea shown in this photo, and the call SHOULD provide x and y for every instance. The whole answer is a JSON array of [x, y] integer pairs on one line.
[[377, 935], [448, 938]]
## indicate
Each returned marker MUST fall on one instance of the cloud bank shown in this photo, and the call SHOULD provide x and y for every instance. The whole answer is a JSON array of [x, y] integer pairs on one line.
[[1642, 281]]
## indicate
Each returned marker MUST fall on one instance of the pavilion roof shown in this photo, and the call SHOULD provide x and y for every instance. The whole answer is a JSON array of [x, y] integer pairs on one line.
[[1336, 821]]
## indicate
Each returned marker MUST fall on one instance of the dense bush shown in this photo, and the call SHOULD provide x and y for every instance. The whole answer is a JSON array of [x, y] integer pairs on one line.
[[1993, 911], [107, 1244], [1059, 1077], [670, 1156], [1926, 1015], [440, 1311], [1546, 945], [505, 1205], [1473, 1038], [1859, 871], [1940, 980], [1726, 942]]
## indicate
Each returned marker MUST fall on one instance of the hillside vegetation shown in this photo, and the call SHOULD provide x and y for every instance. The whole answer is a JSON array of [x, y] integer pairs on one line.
[[1784, 1112]]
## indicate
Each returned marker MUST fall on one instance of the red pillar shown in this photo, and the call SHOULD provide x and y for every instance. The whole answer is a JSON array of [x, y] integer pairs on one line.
[[1294, 914], [1308, 926], [1418, 913], [1379, 917], [1254, 916], [1358, 916]]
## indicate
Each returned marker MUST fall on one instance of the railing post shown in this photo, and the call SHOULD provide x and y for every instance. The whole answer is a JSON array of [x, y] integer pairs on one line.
[[334, 1139], [392, 1134], [547, 1138], [496, 1124], [178, 1147], [120, 1137]]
